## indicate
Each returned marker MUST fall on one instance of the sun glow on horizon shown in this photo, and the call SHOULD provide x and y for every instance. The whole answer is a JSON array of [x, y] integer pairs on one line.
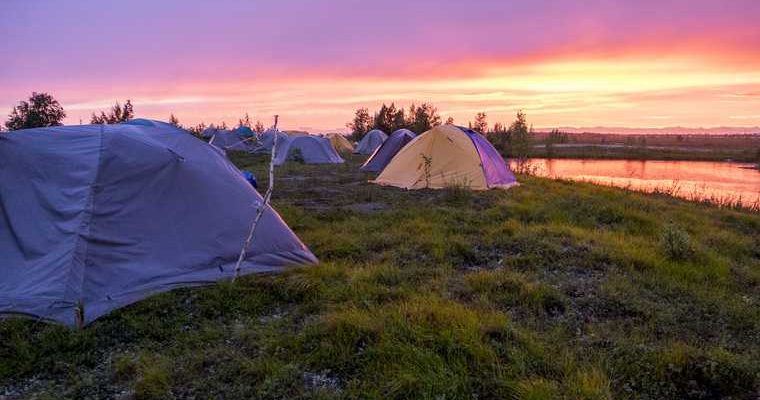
[[593, 92]]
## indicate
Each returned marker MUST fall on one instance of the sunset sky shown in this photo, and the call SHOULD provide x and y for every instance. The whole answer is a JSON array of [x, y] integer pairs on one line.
[[565, 63]]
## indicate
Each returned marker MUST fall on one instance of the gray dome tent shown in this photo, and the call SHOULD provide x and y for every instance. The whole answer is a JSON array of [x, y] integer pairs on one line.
[[312, 150], [230, 141], [383, 155], [266, 141], [209, 132], [152, 123], [116, 213], [370, 142]]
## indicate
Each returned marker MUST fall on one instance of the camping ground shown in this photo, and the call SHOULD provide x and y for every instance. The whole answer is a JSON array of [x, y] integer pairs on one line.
[[548, 290]]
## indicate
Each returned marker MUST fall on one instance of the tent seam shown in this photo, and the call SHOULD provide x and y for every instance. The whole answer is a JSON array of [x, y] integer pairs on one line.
[[482, 167], [82, 245]]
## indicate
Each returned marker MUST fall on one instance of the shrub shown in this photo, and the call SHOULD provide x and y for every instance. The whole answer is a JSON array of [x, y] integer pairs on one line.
[[297, 156], [675, 242], [154, 381], [124, 367]]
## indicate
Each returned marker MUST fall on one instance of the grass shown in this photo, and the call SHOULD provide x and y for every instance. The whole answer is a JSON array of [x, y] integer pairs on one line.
[[549, 290]]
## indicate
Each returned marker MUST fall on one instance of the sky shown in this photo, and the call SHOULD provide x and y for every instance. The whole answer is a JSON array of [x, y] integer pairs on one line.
[[565, 63]]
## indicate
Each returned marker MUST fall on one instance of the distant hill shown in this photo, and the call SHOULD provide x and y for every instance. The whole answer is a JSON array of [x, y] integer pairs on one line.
[[675, 130]]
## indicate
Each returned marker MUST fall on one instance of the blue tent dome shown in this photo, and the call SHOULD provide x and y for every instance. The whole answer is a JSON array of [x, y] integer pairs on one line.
[[244, 131], [313, 150], [152, 123], [266, 141], [230, 141], [370, 142], [95, 217], [383, 155]]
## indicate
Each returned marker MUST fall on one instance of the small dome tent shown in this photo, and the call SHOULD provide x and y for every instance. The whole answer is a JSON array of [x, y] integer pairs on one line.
[[209, 132], [341, 144], [311, 150], [230, 141], [370, 142], [447, 155], [266, 141], [119, 212], [152, 123], [244, 132], [383, 155]]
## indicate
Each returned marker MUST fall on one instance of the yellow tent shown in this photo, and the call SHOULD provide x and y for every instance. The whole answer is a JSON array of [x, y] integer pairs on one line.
[[340, 143], [445, 156]]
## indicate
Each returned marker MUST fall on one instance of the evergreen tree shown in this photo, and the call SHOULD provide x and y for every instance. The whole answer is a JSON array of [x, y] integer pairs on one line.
[[128, 112], [425, 117], [361, 124], [384, 118], [480, 125], [399, 120], [259, 127], [499, 137], [174, 121], [116, 115], [410, 117], [40, 111], [197, 129], [245, 121], [521, 141]]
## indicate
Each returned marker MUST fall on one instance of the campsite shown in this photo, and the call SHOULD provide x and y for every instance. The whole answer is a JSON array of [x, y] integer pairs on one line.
[[437, 199], [550, 288]]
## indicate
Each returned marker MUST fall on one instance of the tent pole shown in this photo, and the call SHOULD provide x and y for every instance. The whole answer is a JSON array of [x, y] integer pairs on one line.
[[262, 208]]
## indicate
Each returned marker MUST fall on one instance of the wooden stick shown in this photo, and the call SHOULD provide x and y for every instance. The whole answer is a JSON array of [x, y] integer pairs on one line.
[[262, 208]]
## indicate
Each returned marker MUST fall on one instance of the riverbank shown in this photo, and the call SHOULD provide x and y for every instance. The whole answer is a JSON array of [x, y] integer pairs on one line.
[[551, 289], [628, 152], [739, 148], [725, 184]]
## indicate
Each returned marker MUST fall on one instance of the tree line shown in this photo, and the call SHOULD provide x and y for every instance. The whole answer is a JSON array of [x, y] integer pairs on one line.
[[514, 139], [390, 118], [42, 110]]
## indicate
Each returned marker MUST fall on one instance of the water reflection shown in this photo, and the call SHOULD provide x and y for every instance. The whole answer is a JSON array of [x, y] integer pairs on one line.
[[720, 182]]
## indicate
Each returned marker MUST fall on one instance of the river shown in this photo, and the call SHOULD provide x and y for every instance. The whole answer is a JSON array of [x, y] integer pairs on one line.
[[718, 182]]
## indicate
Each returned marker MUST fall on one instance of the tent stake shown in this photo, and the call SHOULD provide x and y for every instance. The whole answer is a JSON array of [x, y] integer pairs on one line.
[[262, 208]]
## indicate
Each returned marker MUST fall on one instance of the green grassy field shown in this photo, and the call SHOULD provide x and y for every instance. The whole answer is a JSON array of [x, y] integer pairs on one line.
[[549, 290]]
